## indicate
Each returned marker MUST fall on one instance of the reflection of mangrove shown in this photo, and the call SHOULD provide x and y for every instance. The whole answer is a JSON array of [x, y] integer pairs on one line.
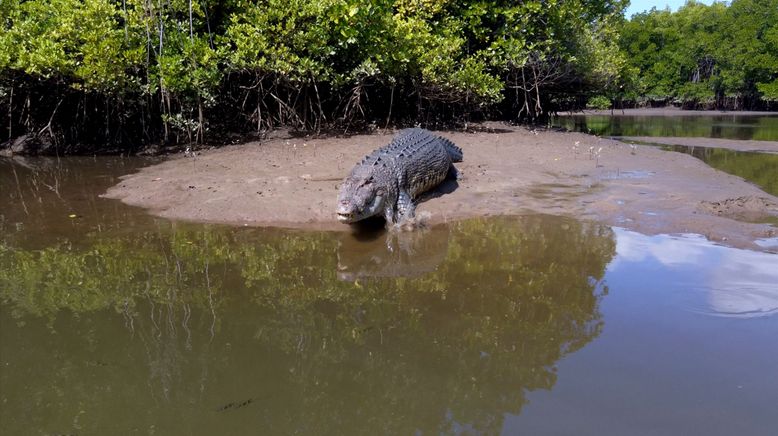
[[259, 318], [42, 193], [760, 128], [758, 168], [112, 273], [395, 254]]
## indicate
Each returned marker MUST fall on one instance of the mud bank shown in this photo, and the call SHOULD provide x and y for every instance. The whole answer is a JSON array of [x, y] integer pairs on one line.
[[293, 182]]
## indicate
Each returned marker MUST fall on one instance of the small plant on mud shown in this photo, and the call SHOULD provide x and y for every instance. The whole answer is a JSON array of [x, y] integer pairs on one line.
[[595, 154]]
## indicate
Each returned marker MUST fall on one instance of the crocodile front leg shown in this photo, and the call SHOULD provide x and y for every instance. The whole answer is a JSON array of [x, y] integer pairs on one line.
[[389, 214], [405, 207]]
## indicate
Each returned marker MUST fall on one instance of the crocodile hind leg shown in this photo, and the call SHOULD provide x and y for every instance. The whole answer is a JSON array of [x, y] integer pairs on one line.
[[454, 173]]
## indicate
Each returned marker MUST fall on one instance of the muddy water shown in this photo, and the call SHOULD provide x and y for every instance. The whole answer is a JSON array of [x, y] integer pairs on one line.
[[754, 127], [114, 322]]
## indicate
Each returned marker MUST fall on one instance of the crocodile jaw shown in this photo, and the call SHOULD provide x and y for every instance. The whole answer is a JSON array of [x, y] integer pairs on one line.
[[351, 213]]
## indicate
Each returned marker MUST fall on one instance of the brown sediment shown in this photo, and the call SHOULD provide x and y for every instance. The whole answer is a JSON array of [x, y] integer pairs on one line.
[[293, 182], [750, 208]]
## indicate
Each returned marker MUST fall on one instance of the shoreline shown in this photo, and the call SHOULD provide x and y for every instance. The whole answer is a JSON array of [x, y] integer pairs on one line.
[[293, 182], [746, 145], [670, 111]]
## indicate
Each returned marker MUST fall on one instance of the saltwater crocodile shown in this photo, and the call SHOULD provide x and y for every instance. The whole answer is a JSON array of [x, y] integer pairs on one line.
[[388, 180]]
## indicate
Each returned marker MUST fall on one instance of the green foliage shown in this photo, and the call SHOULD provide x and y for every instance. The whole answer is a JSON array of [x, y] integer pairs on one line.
[[599, 102], [717, 55], [178, 70], [176, 64], [769, 91], [290, 39], [38, 40], [697, 93]]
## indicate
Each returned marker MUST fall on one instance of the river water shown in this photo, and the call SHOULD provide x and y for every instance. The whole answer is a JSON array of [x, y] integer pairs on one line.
[[115, 322], [728, 126]]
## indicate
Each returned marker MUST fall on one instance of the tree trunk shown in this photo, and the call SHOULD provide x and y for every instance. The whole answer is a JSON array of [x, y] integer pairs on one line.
[[391, 102], [201, 121], [10, 112]]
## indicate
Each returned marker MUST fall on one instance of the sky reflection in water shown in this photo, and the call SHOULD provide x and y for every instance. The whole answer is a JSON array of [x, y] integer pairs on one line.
[[688, 347], [712, 278]]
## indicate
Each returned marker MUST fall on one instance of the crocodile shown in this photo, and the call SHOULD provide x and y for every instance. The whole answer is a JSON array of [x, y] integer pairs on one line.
[[389, 180]]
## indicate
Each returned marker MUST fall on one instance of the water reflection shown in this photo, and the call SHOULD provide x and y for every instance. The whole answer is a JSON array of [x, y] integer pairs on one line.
[[755, 127], [209, 330], [714, 279], [392, 254], [113, 322], [42, 199], [758, 168]]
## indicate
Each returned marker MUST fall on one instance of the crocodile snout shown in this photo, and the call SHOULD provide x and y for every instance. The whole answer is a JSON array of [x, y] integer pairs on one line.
[[345, 212], [344, 217]]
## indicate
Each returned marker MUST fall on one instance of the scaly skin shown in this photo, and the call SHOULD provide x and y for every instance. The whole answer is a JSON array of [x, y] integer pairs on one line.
[[387, 181]]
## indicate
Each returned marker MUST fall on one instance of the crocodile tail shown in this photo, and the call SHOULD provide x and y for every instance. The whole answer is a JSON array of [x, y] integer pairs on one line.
[[453, 151]]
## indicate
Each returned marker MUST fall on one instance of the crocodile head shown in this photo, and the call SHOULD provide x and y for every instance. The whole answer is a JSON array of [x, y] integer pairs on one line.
[[360, 197]]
